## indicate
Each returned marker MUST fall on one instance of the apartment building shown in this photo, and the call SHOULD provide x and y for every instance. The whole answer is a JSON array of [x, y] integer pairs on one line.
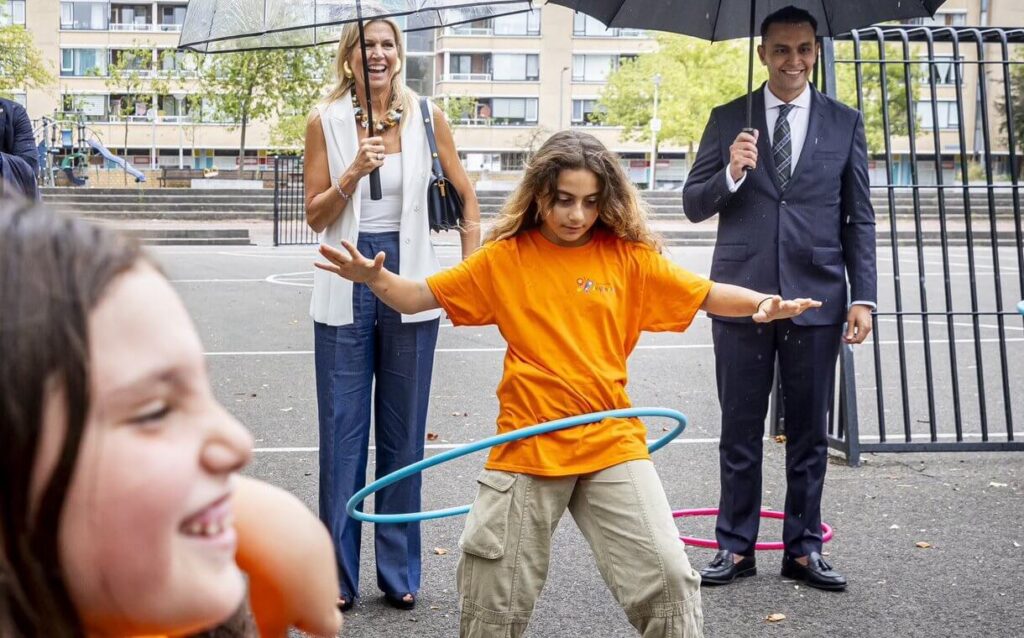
[[528, 75]]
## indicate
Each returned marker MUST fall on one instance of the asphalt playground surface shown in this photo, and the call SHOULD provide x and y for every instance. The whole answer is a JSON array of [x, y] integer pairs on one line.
[[966, 510]]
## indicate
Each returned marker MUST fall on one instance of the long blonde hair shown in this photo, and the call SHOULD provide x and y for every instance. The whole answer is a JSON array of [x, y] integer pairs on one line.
[[349, 42], [620, 209]]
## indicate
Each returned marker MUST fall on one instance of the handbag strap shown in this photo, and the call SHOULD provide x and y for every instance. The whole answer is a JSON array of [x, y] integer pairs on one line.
[[431, 140]]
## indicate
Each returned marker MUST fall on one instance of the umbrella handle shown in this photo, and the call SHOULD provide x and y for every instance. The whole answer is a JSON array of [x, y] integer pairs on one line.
[[375, 192], [751, 131]]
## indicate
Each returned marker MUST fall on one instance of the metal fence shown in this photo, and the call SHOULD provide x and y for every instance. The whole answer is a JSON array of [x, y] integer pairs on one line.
[[945, 366], [290, 226]]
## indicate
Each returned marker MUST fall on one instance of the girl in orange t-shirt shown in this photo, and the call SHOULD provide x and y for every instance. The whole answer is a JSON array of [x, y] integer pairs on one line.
[[571, 275]]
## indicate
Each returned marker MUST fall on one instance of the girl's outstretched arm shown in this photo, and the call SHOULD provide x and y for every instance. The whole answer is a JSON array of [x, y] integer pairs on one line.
[[727, 300], [404, 295]]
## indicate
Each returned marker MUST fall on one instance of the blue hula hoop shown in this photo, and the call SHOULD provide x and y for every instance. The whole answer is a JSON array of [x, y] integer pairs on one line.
[[499, 439]]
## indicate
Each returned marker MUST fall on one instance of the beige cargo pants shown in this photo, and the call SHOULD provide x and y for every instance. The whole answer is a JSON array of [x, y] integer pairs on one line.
[[624, 515]]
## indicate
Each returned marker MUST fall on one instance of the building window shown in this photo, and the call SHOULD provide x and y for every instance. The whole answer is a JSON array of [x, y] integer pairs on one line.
[[84, 16], [471, 67], [128, 17], [172, 16], [587, 112], [515, 67], [942, 19], [595, 68], [947, 114], [584, 26], [518, 24], [133, 61], [419, 73], [12, 12], [943, 71], [81, 62], [92, 107], [506, 111]]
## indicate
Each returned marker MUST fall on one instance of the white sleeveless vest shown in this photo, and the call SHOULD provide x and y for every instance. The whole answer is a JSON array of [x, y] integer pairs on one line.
[[331, 302]]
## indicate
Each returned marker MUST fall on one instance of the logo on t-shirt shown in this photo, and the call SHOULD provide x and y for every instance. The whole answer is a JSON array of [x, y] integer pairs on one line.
[[587, 285]]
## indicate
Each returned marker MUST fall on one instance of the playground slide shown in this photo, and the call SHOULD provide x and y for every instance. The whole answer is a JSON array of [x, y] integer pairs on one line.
[[120, 161]]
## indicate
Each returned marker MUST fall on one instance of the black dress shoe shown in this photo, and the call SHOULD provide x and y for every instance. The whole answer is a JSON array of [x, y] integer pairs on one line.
[[817, 573], [724, 569]]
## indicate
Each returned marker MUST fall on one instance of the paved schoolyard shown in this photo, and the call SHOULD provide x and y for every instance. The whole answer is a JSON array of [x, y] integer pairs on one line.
[[250, 306]]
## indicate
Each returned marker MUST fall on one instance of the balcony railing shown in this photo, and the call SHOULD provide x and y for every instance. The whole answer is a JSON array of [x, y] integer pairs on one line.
[[169, 28], [132, 26], [466, 77], [469, 31]]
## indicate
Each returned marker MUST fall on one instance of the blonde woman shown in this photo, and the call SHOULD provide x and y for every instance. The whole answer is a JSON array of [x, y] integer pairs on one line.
[[367, 355]]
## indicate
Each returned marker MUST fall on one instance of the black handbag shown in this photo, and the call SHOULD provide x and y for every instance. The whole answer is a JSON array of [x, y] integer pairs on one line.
[[444, 205]]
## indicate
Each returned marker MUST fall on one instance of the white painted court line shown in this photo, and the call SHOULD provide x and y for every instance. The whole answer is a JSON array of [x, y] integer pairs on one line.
[[923, 438], [687, 346], [215, 281]]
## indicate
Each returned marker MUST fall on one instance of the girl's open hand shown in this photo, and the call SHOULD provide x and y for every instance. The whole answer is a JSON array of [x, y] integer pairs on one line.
[[778, 308], [353, 266]]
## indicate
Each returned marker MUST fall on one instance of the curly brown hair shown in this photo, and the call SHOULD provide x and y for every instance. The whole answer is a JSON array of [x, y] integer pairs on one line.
[[621, 210]]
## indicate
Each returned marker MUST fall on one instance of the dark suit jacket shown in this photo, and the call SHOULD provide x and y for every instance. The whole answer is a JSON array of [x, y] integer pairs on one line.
[[801, 242], [19, 161]]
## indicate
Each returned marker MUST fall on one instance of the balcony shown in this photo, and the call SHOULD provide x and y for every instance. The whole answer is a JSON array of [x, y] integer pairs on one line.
[[466, 77], [468, 30], [132, 26]]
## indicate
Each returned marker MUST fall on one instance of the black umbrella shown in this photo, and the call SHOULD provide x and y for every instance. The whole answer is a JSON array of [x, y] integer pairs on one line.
[[221, 26], [716, 20]]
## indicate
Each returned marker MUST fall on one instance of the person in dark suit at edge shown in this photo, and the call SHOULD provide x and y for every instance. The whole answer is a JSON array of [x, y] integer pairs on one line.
[[794, 218], [19, 162]]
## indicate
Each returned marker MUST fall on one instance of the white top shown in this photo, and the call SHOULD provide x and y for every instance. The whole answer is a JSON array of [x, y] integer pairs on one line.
[[385, 214], [798, 118], [331, 302]]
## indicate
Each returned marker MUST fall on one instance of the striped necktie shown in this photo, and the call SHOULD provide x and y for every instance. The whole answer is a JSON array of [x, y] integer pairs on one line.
[[782, 151]]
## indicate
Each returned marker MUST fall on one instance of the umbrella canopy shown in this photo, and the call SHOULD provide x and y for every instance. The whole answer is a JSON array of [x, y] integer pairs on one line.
[[223, 26], [219, 26], [727, 19]]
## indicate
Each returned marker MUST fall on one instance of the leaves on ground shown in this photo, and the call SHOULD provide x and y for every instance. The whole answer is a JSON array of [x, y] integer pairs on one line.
[[922, 544], [440, 551], [775, 617], [432, 436]]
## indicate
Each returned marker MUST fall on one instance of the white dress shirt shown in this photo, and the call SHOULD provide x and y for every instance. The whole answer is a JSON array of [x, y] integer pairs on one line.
[[798, 117]]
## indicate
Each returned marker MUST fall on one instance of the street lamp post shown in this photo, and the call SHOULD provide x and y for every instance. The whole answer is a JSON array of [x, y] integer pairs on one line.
[[655, 127], [561, 98], [179, 97]]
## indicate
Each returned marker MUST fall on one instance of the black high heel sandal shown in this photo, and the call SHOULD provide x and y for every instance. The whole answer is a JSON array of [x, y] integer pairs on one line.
[[399, 602], [344, 604]]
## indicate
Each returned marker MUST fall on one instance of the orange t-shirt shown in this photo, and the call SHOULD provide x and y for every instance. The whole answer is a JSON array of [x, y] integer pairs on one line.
[[571, 318]]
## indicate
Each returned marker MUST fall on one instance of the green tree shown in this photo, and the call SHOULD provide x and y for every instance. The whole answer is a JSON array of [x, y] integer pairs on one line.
[[21, 64], [871, 88], [309, 77], [253, 85], [131, 75], [457, 107], [1017, 105], [696, 76]]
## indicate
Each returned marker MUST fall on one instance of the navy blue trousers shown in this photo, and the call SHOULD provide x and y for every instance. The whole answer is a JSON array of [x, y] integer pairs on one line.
[[381, 362], [745, 369]]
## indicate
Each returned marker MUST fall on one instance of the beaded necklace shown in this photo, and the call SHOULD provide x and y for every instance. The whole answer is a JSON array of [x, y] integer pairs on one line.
[[393, 117]]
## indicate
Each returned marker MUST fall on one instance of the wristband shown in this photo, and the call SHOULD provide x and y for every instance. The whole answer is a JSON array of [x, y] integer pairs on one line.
[[345, 196], [758, 308]]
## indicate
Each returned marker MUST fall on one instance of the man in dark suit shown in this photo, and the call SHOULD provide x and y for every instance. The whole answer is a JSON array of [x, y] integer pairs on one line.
[[18, 159], [794, 218]]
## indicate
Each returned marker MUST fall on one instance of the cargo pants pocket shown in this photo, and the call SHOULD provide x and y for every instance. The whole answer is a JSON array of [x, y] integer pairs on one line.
[[488, 521]]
